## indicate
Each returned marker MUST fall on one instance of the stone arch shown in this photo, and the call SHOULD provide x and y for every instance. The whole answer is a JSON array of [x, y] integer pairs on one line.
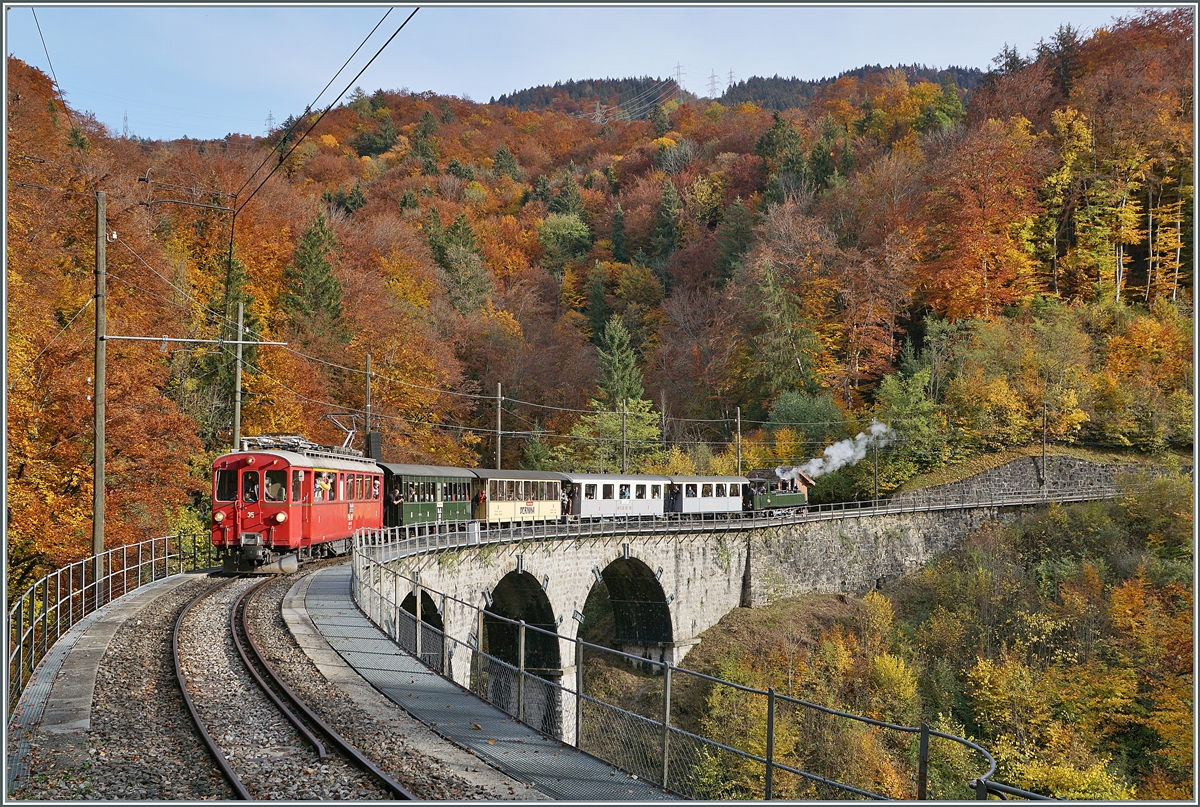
[[641, 616], [519, 597], [429, 610]]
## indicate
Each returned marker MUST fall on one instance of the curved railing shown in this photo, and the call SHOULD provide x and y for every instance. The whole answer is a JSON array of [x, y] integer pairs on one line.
[[52, 605], [650, 747], [420, 538]]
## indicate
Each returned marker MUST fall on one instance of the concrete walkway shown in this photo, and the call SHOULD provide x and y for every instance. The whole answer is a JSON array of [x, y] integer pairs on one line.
[[559, 771], [55, 709]]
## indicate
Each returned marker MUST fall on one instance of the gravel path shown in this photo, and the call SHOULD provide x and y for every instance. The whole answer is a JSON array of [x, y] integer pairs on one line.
[[422, 775], [142, 743], [143, 746]]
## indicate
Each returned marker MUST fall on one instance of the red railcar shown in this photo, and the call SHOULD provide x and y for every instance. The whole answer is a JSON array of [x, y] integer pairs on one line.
[[281, 499]]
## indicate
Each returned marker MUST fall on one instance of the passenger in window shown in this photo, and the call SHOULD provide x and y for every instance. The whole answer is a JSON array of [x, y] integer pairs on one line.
[[250, 487], [624, 491], [276, 492], [324, 488]]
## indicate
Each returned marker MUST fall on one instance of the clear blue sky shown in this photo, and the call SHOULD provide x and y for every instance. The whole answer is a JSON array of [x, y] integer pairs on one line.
[[210, 70]]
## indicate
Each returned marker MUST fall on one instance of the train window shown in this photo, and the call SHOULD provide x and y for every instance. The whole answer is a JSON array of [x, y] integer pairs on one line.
[[689, 491], [608, 491], [655, 491], [526, 490], [720, 494], [249, 486], [297, 482], [624, 491], [226, 486], [376, 487], [276, 485], [706, 490], [640, 492], [589, 491]]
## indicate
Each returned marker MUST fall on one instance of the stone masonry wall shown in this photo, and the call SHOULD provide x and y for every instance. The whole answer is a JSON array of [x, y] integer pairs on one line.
[[1024, 476], [857, 553]]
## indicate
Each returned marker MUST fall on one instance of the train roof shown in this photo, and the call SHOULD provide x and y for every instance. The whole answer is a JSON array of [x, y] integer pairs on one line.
[[492, 473], [616, 477], [401, 469], [681, 479], [770, 475], [295, 460]]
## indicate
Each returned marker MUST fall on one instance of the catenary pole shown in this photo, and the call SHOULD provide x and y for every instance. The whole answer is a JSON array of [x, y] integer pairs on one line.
[[98, 409], [499, 404], [237, 384]]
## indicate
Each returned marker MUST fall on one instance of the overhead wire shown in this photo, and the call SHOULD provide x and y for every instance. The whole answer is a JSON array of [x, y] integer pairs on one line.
[[326, 111], [297, 121], [53, 75], [53, 339]]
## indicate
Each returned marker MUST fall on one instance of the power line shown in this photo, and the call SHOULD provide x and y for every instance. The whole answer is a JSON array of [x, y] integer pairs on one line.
[[326, 111], [53, 75], [296, 122], [33, 361]]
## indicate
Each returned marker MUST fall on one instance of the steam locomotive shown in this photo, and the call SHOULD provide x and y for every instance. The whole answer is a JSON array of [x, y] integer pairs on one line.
[[283, 499]]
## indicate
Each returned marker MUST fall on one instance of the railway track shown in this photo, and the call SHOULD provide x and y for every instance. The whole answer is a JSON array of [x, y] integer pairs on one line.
[[268, 743]]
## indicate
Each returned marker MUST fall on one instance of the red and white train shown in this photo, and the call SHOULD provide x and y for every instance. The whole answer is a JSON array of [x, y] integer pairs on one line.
[[283, 499]]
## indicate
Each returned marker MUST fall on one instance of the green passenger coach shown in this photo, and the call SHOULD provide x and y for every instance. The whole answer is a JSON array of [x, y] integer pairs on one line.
[[427, 494]]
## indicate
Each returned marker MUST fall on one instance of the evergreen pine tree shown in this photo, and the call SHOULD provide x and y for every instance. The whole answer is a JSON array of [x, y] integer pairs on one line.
[[597, 305], [667, 224], [542, 191], [312, 295], [620, 249], [735, 236], [435, 235], [567, 199], [620, 378], [662, 124], [504, 162]]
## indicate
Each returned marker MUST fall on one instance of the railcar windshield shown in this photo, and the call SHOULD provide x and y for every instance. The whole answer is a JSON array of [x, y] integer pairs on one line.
[[226, 486]]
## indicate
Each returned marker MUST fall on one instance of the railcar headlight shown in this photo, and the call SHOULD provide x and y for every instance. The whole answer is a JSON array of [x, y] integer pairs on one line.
[[281, 517], [218, 516]]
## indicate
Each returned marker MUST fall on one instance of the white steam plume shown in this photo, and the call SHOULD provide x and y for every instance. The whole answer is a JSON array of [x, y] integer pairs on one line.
[[849, 451]]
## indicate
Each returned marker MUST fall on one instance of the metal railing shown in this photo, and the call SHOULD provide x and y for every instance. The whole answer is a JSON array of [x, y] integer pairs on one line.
[[52, 605], [446, 535], [652, 747]]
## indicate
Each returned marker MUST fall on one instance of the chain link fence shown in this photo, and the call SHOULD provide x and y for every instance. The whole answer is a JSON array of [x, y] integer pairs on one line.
[[795, 750]]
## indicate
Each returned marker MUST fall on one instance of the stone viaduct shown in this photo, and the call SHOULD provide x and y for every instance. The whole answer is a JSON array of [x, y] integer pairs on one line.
[[667, 586]]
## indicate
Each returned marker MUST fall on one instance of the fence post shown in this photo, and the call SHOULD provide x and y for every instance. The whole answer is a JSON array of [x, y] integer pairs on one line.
[[770, 743], [58, 605], [445, 640], [981, 790], [521, 671], [20, 642], [45, 614], [578, 694], [396, 604], [923, 764], [666, 726], [153, 562], [417, 596], [479, 651]]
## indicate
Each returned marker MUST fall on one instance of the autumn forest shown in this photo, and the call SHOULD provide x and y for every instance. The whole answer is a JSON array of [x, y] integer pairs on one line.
[[961, 261]]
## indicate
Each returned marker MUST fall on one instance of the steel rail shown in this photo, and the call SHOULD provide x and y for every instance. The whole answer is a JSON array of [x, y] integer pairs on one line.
[[241, 649], [233, 779], [355, 756]]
